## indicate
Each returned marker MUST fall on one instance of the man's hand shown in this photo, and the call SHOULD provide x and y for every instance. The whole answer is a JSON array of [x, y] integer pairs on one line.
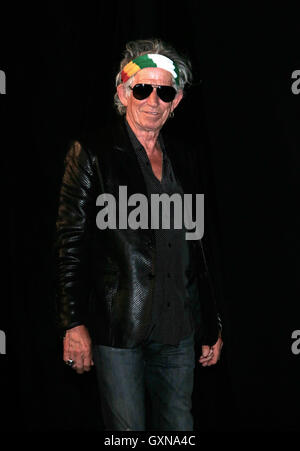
[[211, 354], [78, 347]]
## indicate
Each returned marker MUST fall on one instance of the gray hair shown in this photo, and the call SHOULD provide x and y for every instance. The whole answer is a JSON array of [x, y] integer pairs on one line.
[[142, 47]]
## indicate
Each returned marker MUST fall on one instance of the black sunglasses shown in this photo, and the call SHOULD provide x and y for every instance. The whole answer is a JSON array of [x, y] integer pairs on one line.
[[141, 91]]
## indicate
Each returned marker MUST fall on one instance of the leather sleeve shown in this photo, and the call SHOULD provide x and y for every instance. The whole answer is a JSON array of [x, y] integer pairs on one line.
[[210, 250], [74, 228]]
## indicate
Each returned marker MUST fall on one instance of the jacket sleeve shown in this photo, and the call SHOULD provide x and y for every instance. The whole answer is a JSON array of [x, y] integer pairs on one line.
[[210, 249], [74, 226]]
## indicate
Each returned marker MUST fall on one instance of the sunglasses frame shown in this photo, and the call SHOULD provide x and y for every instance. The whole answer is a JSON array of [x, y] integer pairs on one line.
[[158, 91]]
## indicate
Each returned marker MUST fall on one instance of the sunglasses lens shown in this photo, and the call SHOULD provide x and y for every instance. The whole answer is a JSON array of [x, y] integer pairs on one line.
[[141, 92], [166, 93]]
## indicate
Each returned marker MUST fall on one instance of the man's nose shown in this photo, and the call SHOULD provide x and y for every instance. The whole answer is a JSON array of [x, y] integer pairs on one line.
[[153, 98]]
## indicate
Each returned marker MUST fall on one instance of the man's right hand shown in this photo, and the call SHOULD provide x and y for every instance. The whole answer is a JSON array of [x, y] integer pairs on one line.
[[78, 347]]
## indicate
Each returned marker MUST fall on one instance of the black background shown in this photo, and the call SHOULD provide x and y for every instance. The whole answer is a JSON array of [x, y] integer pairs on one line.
[[60, 62]]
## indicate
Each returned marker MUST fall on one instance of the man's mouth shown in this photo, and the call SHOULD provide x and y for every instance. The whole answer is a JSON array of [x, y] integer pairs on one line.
[[153, 113]]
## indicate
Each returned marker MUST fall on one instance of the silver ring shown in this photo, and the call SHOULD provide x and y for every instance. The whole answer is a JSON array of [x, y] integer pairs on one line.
[[70, 362]]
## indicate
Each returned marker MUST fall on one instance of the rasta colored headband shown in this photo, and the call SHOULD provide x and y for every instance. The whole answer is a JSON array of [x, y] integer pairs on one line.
[[150, 60]]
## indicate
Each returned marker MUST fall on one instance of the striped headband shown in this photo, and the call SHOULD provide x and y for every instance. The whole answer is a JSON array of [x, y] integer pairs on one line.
[[150, 60]]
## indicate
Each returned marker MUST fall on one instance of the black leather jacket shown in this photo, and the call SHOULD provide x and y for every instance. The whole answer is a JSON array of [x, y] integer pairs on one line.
[[105, 277]]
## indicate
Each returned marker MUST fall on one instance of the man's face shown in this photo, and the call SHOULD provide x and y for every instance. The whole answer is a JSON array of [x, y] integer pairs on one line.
[[151, 113]]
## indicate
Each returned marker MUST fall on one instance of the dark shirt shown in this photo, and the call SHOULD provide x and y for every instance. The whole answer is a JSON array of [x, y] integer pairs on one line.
[[171, 316]]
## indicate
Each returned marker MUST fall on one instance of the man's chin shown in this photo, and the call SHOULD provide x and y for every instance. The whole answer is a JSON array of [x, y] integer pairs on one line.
[[153, 120]]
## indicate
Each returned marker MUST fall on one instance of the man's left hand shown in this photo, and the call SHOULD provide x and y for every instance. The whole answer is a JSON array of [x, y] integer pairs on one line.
[[211, 354]]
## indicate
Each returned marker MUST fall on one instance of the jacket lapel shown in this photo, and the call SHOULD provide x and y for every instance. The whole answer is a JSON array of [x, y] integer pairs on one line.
[[117, 160], [126, 163]]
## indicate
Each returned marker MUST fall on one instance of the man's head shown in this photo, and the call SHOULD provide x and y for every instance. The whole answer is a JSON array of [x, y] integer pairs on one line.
[[150, 83]]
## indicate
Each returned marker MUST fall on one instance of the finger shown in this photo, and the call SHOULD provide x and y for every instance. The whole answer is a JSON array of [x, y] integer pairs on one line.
[[68, 357], [206, 363], [215, 359], [207, 356], [204, 360], [84, 361], [205, 350], [87, 363], [212, 361], [66, 350], [78, 366]]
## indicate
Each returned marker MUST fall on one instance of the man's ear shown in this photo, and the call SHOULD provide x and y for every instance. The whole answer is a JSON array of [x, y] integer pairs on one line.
[[121, 90], [177, 99]]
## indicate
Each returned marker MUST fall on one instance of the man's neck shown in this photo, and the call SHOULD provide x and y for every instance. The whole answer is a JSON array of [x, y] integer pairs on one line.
[[148, 138]]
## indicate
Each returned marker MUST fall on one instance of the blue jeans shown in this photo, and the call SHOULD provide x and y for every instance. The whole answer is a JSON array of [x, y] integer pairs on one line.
[[166, 372]]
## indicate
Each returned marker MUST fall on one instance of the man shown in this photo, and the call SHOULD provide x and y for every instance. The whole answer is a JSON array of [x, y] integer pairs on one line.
[[133, 300]]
